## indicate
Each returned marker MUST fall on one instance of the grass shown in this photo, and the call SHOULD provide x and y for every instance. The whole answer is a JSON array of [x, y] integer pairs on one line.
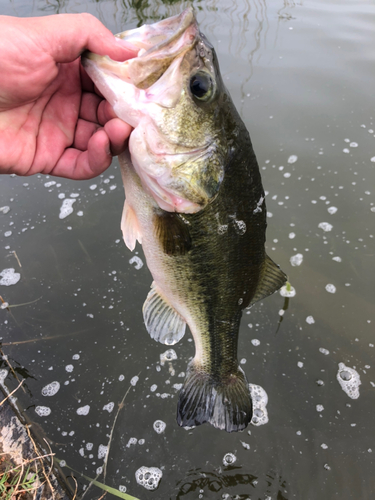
[[16, 482]]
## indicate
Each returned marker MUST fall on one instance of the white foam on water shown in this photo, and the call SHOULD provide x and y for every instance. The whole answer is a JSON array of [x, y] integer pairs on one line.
[[330, 288], [4, 210], [49, 184], [102, 451], [137, 261], [148, 477], [296, 260], [132, 441], [292, 159], [326, 226], [169, 355], [260, 399], [240, 226], [134, 380], [284, 292], [75, 356], [255, 342], [109, 407], [324, 351], [310, 320], [66, 208], [84, 410], [332, 210], [337, 259], [43, 411], [319, 408], [245, 445], [349, 380], [9, 277], [159, 426], [51, 389], [229, 459], [69, 368], [122, 488]]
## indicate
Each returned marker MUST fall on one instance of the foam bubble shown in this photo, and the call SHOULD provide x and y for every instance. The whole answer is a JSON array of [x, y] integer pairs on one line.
[[332, 210], [169, 355], [9, 277], [69, 368], [84, 410], [324, 351], [310, 320], [330, 288], [66, 208], [42, 411], [148, 477], [326, 226], [102, 451], [159, 426], [319, 408], [349, 380], [292, 159], [134, 380], [229, 459], [260, 399], [255, 342], [287, 291], [51, 389], [109, 407], [138, 263], [240, 226], [296, 260], [4, 210]]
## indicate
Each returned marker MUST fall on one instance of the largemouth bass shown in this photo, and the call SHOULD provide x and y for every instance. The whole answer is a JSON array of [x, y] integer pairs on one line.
[[195, 201]]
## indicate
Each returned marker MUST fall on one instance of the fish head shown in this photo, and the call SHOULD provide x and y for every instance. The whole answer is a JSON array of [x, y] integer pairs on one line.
[[171, 93]]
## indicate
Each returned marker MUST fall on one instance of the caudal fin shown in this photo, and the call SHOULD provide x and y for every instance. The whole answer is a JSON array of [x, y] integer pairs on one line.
[[224, 403]]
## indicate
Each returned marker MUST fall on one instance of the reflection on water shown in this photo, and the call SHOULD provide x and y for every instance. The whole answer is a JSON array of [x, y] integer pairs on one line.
[[302, 76]]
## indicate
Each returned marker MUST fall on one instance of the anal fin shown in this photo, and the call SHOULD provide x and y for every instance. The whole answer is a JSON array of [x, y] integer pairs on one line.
[[224, 403], [271, 279], [163, 323], [130, 227]]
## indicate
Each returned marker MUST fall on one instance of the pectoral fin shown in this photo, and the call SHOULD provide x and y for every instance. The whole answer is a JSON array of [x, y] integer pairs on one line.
[[163, 323], [271, 279], [130, 227], [172, 232]]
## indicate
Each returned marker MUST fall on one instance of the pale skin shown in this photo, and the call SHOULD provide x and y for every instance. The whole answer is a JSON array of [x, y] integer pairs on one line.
[[52, 121]]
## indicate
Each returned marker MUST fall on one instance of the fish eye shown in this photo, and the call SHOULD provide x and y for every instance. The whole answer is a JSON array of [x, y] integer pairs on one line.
[[201, 86]]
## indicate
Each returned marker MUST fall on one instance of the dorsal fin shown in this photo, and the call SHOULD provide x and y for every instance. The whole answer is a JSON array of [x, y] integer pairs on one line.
[[271, 279], [130, 227], [172, 230], [163, 323]]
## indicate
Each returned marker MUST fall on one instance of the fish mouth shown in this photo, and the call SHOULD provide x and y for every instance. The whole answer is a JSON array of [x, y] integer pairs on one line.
[[157, 46]]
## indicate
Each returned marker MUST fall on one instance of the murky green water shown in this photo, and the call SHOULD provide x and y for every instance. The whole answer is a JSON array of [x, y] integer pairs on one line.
[[302, 75]]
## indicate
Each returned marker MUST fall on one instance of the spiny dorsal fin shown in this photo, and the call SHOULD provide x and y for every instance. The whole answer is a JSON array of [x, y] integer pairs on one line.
[[173, 232], [163, 323], [271, 279], [130, 227]]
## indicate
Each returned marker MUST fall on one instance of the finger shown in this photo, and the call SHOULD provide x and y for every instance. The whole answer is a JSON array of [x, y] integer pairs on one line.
[[80, 165], [66, 36], [118, 133], [84, 131], [89, 106], [105, 112]]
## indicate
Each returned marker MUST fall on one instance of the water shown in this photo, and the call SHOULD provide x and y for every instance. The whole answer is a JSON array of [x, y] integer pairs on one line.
[[301, 74]]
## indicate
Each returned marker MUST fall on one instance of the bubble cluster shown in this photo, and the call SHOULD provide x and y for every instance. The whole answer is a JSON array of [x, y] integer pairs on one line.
[[42, 411], [229, 459], [9, 277], [159, 426], [326, 226], [296, 260], [169, 355], [287, 291], [148, 477], [51, 389], [138, 263], [109, 407], [260, 399], [66, 208], [349, 380], [84, 410]]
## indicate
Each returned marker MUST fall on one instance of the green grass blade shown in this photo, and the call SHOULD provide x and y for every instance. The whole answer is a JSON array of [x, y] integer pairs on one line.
[[102, 486]]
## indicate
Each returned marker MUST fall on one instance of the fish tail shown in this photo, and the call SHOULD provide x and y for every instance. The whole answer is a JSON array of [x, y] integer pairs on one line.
[[224, 403]]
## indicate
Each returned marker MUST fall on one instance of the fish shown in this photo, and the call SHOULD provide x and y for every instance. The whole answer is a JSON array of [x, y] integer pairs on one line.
[[194, 200]]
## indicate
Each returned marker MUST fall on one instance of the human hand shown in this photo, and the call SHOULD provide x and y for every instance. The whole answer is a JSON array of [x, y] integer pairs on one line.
[[51, 119]]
